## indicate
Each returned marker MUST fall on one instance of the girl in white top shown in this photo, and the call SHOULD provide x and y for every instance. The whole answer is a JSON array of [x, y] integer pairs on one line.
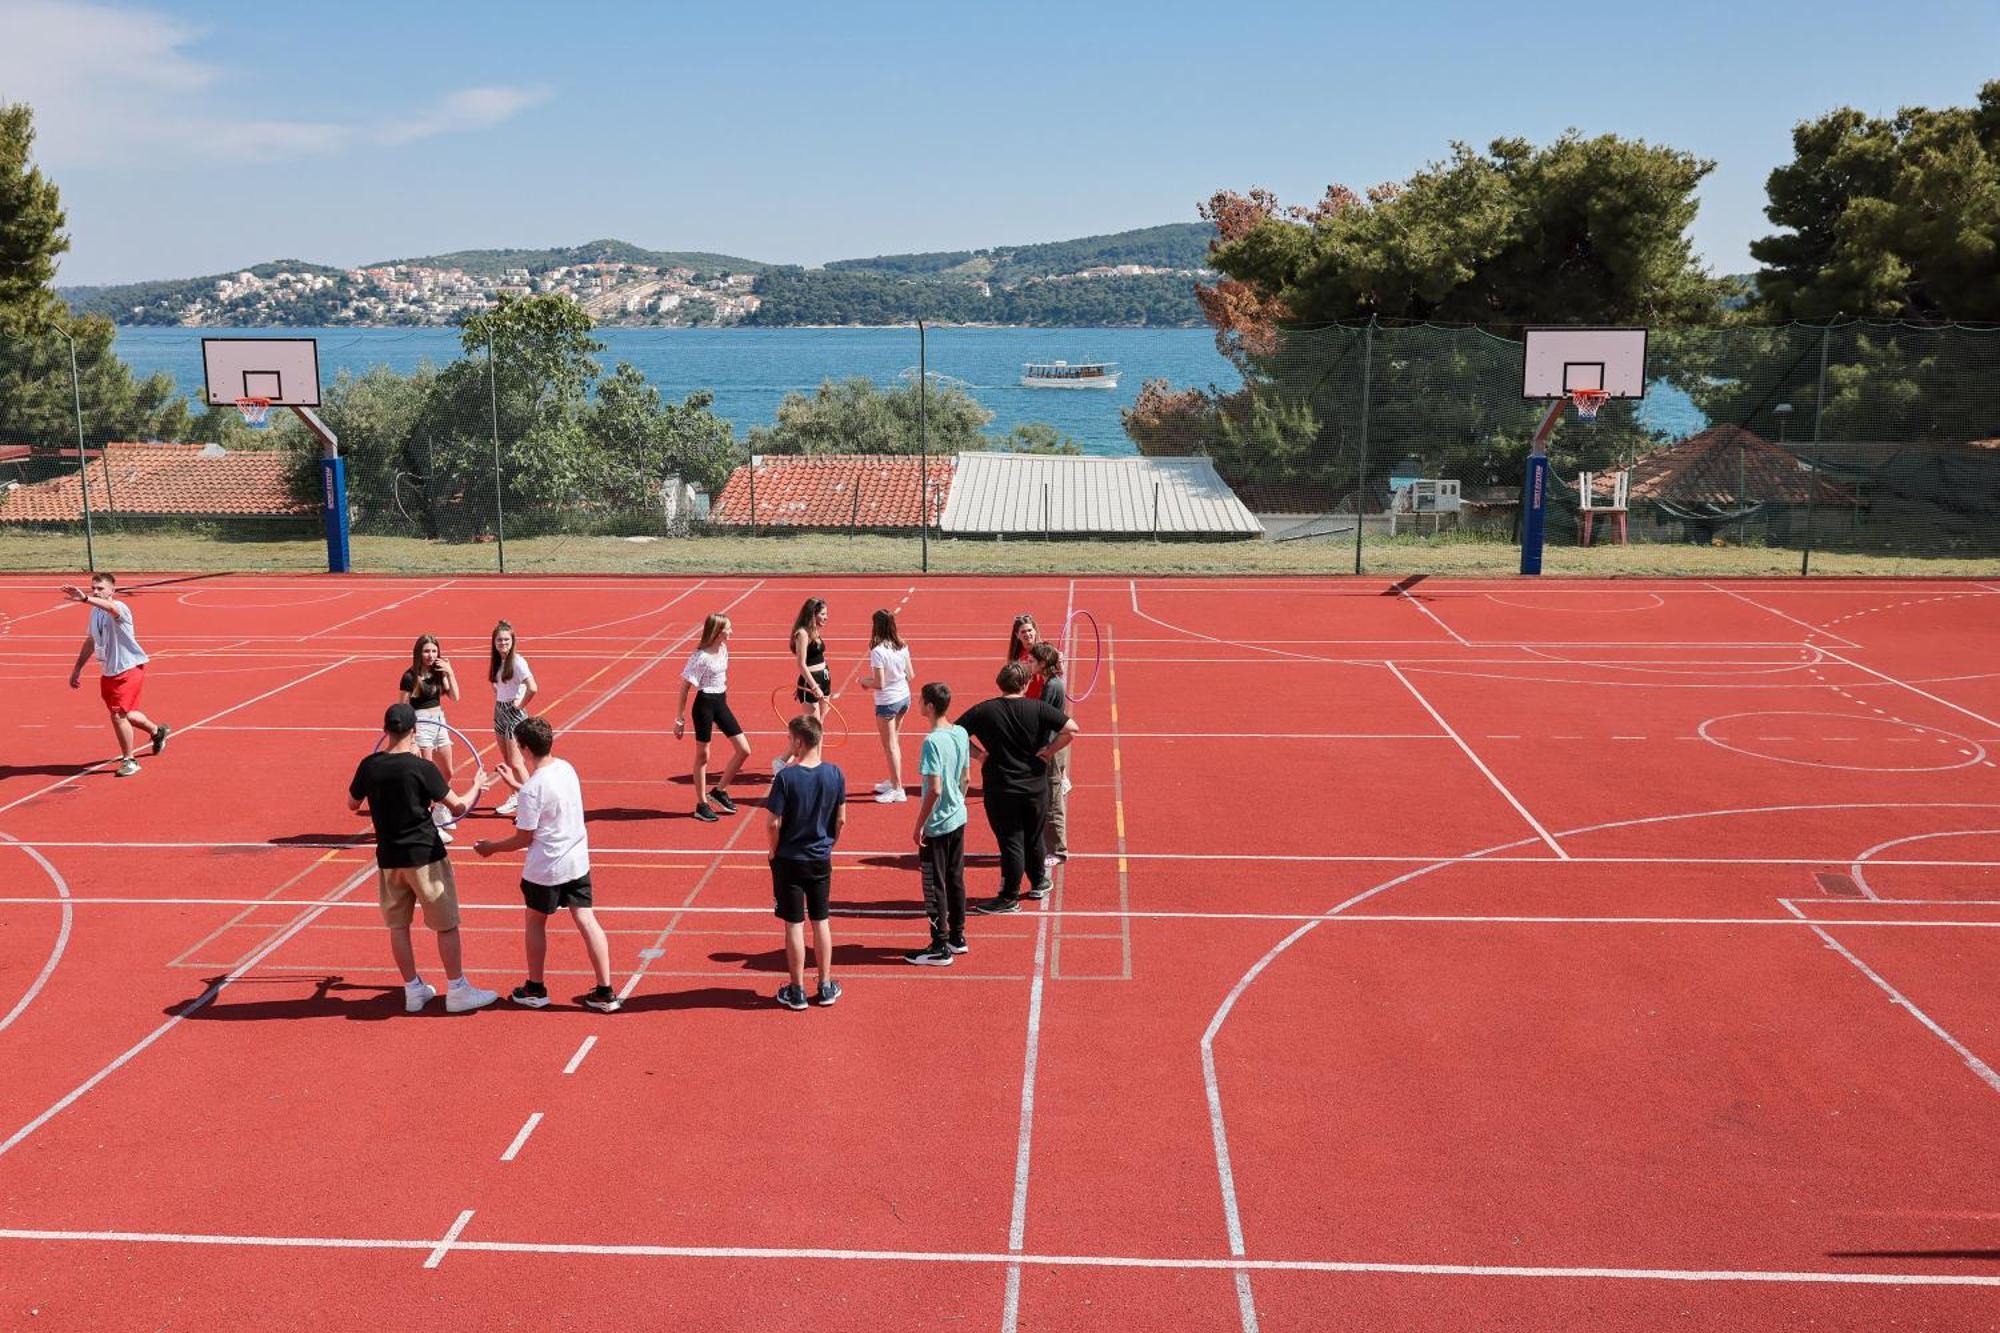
[[707, 676], [514, 689], [889, 673]]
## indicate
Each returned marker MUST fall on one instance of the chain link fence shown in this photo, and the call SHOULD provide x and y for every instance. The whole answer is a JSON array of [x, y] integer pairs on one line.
[[1852, 449]]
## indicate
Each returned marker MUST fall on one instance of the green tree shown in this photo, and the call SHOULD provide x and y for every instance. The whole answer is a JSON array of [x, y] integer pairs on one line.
[[1039, 437], [31, 228], [1895, 218], [641, 439], [857, 416]]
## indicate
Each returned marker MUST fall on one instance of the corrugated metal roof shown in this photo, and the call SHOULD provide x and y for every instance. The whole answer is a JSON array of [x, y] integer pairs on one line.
[[1031, 494]]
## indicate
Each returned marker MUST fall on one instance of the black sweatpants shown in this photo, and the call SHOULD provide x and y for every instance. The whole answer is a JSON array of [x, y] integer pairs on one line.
[[942, 862], [1017, 827]]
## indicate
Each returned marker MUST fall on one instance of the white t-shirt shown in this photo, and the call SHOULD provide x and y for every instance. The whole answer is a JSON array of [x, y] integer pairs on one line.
[[550, 806], [510, 691], [111, 637], [891, 668], [708, 672]]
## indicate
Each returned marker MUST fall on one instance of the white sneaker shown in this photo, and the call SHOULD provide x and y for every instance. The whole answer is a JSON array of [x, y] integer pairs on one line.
[[891, 797], [128, 769], [465, 997], [417, 996], [508, 806], [885, 785]]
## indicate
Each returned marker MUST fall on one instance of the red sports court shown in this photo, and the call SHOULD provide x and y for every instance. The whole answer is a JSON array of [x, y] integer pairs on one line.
[[1608, 954]]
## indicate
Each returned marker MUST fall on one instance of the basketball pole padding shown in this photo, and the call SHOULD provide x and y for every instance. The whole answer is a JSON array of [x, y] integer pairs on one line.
[[333, 492]]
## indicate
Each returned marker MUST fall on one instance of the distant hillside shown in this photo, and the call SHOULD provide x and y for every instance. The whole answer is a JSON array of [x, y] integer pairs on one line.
[[157, 302], [492, 263], [1180, 245]]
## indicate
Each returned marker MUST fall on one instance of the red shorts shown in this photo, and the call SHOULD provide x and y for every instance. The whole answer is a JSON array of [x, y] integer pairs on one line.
[[121, 692]]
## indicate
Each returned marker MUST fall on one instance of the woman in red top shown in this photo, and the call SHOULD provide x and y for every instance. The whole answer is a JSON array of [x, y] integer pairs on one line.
[[1021, 641]]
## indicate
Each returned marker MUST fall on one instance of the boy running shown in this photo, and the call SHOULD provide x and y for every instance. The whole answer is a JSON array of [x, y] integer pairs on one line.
[[399, 788], [122, 663], [808, 805], [1015, 733], [940, 835], [548, 821]]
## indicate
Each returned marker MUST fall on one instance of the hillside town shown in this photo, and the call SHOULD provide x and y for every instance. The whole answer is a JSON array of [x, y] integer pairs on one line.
[[612, 292]]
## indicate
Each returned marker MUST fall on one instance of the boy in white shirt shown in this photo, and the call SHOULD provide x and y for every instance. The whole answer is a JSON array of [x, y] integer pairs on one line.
[[122, 663], [548, 821]]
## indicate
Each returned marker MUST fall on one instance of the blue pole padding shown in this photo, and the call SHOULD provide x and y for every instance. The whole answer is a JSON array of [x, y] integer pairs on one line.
[[333, 512], [1534, 509]]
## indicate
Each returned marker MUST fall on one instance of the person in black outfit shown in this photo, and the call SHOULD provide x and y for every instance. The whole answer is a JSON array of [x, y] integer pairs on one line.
[[1013, 735], [399, 790]]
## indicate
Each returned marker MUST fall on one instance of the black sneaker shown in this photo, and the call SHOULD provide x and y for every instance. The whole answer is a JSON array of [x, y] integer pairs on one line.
[[935, 955], [704, 814], [1038, 892], [531, 995], [603, 999], [160, 737], [957, 944], [829, 991], [792, 997], [1001, 906], [722, 800]]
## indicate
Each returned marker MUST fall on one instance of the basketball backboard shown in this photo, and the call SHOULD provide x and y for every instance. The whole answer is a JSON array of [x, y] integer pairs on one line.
[[1559, 361], [282, 370]]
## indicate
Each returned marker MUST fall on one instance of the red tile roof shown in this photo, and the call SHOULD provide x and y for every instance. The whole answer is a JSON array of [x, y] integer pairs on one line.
[[821, 490], [1722, 465], [162, 479]]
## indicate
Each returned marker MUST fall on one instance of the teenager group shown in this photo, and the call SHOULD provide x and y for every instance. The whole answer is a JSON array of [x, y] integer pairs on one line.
[[1022, 737]]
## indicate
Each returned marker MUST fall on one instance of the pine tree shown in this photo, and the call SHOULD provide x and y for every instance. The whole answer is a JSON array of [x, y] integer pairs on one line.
[[31, 227]]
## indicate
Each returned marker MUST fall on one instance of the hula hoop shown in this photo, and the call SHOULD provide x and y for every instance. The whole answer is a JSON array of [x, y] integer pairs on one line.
[[1081, 624], [470, 748], [832, 739]]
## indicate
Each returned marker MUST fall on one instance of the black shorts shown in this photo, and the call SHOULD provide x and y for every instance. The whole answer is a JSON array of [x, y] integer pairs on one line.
[[712, 711], [548, 899], [800, 888], [804, 691]]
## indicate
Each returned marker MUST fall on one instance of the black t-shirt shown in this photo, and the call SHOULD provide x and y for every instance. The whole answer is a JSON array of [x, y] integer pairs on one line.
[[1012, 730], [429, 694], [400, 790]]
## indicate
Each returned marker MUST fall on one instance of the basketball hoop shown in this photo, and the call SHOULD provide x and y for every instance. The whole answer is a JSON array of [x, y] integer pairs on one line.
[[255, 411], [1587, 402]]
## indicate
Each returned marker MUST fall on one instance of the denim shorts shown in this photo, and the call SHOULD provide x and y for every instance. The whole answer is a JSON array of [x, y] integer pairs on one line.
[[892, 710]]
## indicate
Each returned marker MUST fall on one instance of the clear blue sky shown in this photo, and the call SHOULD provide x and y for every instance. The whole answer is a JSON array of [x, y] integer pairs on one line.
[[191, 138]]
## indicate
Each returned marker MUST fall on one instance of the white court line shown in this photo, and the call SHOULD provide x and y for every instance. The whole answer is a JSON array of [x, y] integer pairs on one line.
[[1132, 586], [1436, 619], [1972, 1062], [520, 1140], [1017, 1223], [215, 988], [374, 611], [1106, 914], [180, 731], [443, 1247], [577, 1060], [1808, 626], [62, 933], [1247, 858], [1934, 698], [1157, 1263], [1473, 755]]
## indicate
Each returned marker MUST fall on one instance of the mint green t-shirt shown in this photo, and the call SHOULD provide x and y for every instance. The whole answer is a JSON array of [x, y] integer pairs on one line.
[[946, 753]]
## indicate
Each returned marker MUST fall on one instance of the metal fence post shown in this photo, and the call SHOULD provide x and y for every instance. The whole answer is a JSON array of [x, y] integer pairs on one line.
[[923, 450], [499, 502], [1361, 473], [1156, 511], [1046, 530], [753, 495], [1812, 476], [854, 513], [82, 456]]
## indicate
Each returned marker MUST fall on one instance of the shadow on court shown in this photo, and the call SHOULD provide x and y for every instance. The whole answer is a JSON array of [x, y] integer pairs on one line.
[[702, 997], [332, 997], [844, 955]]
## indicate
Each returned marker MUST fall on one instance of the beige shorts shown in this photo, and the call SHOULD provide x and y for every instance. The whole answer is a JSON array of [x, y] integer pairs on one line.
[[402, 889]]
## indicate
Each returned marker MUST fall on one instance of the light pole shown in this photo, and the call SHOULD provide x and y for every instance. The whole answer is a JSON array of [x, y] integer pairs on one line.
[[82, 457]]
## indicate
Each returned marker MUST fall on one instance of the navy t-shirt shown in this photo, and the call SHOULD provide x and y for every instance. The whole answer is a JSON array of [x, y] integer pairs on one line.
[[807, 802]]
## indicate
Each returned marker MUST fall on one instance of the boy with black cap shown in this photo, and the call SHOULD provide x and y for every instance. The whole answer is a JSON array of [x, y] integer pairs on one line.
[[399, 789]]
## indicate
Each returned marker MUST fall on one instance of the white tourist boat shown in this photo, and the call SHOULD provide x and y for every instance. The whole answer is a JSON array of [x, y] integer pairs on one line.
[[1063, 375]]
